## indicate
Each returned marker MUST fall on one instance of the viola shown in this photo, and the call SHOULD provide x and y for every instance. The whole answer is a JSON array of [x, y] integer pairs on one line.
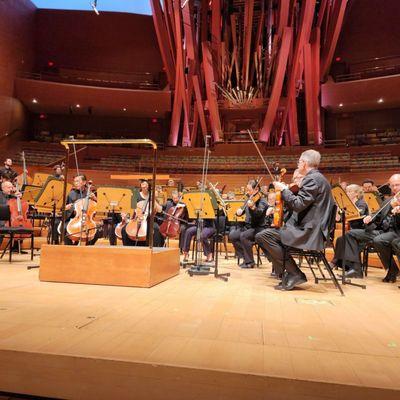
[[277, 220], [19, 215], [136, 228], [82, 228], [171, 227]]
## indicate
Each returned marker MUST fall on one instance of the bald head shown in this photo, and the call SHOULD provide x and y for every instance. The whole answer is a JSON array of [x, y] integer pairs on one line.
[[394, 183]]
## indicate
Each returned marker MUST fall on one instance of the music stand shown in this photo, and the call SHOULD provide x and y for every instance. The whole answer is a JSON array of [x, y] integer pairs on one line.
[[373, 202], [50, 199], [39, 179], [348, 211], [115, 200], [201, 205], [232, 207]]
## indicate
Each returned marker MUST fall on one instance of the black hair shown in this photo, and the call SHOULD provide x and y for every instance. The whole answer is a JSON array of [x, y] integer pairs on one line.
[[368, 181]]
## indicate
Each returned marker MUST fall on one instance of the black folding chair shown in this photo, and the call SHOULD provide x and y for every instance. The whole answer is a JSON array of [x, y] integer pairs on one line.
[[316, 256], [12, 233]]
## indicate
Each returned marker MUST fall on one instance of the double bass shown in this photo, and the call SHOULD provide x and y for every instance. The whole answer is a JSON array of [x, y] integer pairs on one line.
[[82, 228], [19, 214]]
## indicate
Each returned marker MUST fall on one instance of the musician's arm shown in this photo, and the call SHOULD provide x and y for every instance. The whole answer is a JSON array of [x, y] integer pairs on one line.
[[305, 197]]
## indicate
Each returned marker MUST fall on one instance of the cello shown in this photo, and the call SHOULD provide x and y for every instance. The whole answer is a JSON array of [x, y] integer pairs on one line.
[[82, 228], [171, 227], [19, 212], [136, 228]]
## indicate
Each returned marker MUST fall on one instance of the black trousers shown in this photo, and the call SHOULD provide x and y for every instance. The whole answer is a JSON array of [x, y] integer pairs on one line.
[[396, 247], [243, 240], [350, 248], [270, 241], [158, 239]]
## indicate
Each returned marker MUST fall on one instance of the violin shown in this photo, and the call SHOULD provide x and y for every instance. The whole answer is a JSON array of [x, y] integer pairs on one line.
[[136, 228], [82, 228], [171, 227], [254, 198], [19, 212]]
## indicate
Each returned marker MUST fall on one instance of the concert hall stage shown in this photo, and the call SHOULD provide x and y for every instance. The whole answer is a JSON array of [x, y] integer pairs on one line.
[[198, 338]]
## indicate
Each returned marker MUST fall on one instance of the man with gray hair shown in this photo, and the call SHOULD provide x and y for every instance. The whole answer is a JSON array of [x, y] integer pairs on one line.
[[308, 226]]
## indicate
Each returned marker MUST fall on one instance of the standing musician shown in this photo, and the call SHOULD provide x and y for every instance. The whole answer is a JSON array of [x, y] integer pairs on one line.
[[381, 229], [242, 238], [79, 191], [143, 202], [308, 225]]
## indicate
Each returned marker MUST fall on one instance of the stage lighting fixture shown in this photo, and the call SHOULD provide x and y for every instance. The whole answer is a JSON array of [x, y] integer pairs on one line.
[[94, 6]]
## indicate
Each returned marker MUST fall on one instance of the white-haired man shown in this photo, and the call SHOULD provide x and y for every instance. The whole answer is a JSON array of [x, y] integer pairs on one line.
[[308, 225]]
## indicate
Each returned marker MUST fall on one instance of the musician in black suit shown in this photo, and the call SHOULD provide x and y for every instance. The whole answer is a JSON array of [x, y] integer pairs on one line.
[[308, 226], [242, 237], [381, 229]]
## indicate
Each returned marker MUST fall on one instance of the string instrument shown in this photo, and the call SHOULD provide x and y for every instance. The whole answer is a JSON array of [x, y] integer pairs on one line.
[[254, 198], [23, 179], [277, 220], [384, 207], [136, 228], [82, 228], [19, 214], [120, 226], [171, 227]]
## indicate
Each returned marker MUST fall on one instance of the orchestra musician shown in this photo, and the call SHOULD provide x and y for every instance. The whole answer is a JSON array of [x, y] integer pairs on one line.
[[308, 225], [381, 230], [58, 172], [79, 191], [7, 171], [242, 237], [206, 233], [143, 201]]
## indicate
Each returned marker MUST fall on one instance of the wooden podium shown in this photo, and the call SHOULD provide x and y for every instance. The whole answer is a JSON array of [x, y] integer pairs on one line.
[[108, 265]]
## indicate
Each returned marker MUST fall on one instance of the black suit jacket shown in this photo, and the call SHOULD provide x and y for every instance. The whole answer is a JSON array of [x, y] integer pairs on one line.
[[308, 227]]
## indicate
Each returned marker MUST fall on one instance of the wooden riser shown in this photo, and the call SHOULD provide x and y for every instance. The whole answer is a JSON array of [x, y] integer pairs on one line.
[[108, 265]]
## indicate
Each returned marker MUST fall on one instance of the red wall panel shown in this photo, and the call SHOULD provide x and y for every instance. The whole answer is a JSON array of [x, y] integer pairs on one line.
[[107, 42]]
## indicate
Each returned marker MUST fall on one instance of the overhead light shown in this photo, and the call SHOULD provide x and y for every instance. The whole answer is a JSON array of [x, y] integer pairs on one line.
[[34, 101], [94, 6], [156, 111], [124, 109], [341, 105], [380, 100], [78, 106]]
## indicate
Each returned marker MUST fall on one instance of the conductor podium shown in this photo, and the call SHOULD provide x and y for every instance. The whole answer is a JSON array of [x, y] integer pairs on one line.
[[108, 265]]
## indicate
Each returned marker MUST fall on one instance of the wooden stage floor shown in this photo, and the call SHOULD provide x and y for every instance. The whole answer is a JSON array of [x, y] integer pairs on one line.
[[198, 338]]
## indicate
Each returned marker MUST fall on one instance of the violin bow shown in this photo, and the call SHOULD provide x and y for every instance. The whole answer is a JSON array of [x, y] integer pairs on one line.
[[259, 153]]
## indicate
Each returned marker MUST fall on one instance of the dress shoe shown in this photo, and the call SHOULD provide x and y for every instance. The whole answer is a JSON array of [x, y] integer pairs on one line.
[[353, 273], [247, 265], [293, 280], [390, 277]]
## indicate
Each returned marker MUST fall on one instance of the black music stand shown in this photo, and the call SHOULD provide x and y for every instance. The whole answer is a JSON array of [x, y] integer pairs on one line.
[[346, 209]]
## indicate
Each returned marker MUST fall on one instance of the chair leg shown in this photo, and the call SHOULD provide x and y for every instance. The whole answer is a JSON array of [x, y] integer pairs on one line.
[[332, 275], [311, 269], [32, 246], [11, 247]]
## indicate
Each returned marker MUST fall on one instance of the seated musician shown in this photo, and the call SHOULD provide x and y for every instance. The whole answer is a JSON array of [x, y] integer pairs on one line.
[[207, 232], [7, 170], [79, 191], [355, 193], [308, 225], [8, 192], [380, 230], [242, 237], [143, 201], [396, 242], [58, 172]]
